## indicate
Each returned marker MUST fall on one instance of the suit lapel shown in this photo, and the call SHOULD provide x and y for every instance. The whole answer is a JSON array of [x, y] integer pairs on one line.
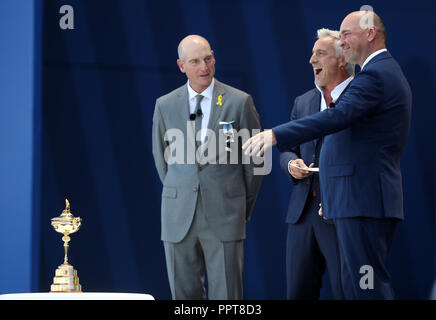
[[314, 107], [216, 109], [315, 103], [182, 109]]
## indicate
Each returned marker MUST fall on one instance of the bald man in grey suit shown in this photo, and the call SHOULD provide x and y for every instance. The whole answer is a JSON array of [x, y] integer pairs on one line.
[[209, 189]]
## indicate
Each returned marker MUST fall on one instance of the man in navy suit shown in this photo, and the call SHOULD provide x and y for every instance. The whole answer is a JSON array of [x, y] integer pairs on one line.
[[360, 174], [311, 240]]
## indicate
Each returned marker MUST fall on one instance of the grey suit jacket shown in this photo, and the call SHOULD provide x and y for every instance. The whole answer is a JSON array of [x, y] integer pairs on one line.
[[228, 189]]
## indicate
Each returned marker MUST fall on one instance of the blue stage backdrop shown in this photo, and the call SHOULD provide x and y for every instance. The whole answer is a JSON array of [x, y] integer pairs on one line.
[[99, 84], [20, 91]]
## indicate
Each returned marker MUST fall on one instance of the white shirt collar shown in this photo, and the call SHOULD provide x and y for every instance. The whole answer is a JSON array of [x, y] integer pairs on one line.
[[372, 55], [336, 92], [206, 93]]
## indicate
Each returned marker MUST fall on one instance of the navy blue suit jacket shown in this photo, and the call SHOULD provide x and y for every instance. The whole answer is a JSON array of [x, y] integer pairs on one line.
[[366, 132], [304, 105]]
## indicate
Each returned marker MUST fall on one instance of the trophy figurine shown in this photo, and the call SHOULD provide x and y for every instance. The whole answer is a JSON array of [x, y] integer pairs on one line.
[[66, 279]]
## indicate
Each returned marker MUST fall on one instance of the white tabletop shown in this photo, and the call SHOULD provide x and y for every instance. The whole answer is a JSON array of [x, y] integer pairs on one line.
[[76, 296]]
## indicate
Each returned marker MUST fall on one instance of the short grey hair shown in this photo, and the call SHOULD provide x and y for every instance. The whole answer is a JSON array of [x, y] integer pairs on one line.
[[322, 33], [180, 51]]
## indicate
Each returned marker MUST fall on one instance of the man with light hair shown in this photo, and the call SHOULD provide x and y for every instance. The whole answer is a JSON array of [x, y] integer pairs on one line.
[[360, 172], [311, 240], [321, 33]]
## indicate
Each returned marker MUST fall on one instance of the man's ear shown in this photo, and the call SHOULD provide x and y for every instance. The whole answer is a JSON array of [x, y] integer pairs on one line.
[[372, 32], [342, 62], [180, 64]]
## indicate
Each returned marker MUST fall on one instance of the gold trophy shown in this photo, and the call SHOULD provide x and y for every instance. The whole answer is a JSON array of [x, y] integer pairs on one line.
[[66, 279]]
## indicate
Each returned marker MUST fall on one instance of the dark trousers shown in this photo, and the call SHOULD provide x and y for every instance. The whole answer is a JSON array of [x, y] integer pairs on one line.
[[364, 244], [311, 245]]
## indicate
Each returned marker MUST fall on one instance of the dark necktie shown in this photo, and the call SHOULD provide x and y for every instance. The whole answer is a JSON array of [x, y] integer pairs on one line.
[[198, 117]]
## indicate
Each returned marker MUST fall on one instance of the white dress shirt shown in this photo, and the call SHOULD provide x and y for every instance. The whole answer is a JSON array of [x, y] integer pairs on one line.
[[336, 92], [205, 104], [372, 55]]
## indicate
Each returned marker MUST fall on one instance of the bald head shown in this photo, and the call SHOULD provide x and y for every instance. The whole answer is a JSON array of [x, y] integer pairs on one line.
[[369, 19], [189, 43], [362, 33], [197, 61]]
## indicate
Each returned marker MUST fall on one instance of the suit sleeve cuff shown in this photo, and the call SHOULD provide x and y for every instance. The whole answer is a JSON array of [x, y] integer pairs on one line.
[[294, 181], [279, 138], [289, 170]]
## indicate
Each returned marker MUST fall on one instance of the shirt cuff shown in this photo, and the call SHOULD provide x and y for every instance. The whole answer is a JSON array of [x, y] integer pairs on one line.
[[289, 170]]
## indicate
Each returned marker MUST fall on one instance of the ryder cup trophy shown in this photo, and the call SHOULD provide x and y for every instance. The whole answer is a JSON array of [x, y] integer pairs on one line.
[[66, 279]]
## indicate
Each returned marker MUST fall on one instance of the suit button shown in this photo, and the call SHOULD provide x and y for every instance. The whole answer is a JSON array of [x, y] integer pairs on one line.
[[194, 189], [314, 193], [313, 156]]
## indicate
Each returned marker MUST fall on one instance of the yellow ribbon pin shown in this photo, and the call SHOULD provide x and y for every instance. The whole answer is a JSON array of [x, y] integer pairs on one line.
[[220, 100]]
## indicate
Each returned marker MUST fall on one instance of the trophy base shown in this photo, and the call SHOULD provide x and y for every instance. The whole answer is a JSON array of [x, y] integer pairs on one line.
[[66, 279]]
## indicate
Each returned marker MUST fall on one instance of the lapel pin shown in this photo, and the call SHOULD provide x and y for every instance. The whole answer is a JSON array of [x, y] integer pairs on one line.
[[220, 100]]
